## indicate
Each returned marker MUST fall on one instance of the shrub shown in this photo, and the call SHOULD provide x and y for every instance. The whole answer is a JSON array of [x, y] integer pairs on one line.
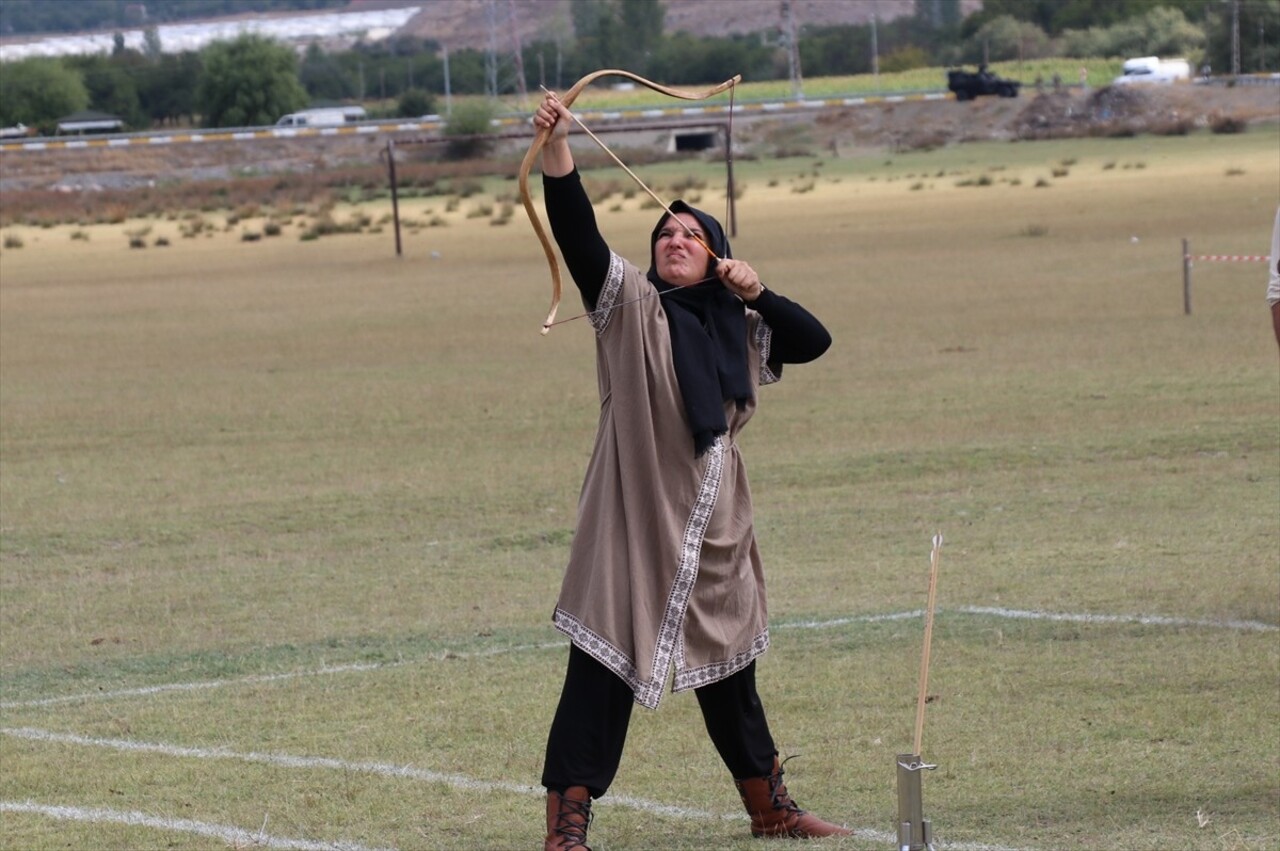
[[469, 130], [1227, 124], [12, 241], [904, 59], [1173, 127], [415, 103]]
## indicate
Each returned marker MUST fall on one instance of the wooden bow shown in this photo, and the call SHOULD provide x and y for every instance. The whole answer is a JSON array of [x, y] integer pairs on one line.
[[544, 134]]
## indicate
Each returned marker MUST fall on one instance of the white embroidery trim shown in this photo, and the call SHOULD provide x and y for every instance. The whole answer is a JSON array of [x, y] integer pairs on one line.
[[599, 318], [648, 693]]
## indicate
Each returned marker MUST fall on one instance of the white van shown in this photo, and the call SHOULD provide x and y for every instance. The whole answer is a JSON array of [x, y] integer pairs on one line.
[[329, 117], [1153, 69]]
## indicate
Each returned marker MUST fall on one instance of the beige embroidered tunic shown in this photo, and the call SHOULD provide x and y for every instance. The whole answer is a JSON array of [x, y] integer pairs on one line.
[[664, 574]]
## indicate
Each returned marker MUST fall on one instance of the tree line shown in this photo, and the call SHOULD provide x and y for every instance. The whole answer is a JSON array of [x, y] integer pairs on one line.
[[252, 81]]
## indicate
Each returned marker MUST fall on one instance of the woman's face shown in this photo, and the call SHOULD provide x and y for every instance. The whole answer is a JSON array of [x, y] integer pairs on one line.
[[679, 258]]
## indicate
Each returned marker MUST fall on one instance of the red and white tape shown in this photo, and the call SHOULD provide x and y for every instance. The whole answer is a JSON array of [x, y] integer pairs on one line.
[[1229, 258]]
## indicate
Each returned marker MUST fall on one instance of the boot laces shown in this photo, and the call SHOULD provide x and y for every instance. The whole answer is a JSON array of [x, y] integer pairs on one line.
[[778, 795], [574, 832]]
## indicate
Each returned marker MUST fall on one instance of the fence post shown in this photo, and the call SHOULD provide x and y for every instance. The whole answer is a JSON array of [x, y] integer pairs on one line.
[[395, 194], [1186, 277]]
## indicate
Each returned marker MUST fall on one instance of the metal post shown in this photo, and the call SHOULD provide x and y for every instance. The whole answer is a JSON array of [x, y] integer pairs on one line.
[[914, 831], [1186, 277]]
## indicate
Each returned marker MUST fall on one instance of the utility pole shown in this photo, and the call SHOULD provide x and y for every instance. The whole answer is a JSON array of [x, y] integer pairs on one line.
[[1235, 38], [793, 47], [448, 94], [875, 48], [519, 58], [491, 50], [1262, 46]]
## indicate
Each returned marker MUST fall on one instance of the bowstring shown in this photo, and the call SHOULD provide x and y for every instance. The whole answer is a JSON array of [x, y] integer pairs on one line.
[[652, 292], [728, 152]]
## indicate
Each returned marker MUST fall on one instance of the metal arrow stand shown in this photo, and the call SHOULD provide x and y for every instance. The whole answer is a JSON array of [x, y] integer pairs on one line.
[[914, 831]]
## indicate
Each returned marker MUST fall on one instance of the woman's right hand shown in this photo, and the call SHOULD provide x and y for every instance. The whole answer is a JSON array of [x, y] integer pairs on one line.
[[557, 159], [552, 113]]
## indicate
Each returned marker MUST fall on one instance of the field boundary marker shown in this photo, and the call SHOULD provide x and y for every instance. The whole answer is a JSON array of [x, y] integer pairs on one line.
[[832, 623]]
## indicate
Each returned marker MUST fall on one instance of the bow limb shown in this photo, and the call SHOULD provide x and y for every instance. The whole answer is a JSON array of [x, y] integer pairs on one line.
[[544, 134]]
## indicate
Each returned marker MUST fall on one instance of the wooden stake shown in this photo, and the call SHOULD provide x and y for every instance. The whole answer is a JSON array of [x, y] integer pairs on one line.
[[928, 640]]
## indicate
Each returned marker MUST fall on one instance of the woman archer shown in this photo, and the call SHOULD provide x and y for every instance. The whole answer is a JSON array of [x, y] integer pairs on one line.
[[664, 574]]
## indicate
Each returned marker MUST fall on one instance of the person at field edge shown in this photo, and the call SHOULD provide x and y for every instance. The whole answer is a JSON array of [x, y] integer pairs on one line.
[[664, 573], [1273, 278]]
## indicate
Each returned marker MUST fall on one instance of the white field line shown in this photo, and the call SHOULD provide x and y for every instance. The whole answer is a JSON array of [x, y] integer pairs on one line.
[[1012, 614], [1153, 620], [354, 667], [1023, 614], [236, 837], [404, 772]]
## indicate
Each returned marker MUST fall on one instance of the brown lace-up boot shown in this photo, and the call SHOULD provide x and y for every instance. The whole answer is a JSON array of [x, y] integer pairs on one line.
[[568, 817], [773, 813]]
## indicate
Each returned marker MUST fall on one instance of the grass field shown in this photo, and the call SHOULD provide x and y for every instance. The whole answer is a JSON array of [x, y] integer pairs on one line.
[[282, 522]]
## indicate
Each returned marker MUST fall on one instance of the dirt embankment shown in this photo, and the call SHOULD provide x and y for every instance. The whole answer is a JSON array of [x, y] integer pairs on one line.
[[1049, 114]]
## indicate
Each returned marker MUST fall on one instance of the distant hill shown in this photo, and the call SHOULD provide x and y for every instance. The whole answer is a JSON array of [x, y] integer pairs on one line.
[[457, 24], [46, 17], [469, 23]]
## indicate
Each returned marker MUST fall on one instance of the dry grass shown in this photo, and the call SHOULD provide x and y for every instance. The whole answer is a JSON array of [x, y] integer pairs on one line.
[[226, 459]]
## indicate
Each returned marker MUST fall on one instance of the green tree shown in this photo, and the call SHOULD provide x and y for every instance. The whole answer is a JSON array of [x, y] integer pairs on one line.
[[323, 77], [598, 34], [167, 87], [151, 46], [1259, 36], [836, 50], [111, 87], [247, 82], [1054, 16], [641, 23], [1006, 37], [687, 60], [939, 13], [37, 92], [1160, 32]]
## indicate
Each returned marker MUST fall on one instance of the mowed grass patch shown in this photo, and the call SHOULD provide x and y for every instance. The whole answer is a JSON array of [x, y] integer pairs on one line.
[[1123, 716], [226, 459]]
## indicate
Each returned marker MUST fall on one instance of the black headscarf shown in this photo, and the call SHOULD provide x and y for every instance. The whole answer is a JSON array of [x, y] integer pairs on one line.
[[708, 337]]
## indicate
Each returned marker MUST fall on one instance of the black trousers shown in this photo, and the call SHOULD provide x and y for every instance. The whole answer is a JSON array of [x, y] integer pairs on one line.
[[584, 747]]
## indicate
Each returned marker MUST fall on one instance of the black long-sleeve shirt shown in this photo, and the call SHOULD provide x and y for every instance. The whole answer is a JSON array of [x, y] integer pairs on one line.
[[798, 336]]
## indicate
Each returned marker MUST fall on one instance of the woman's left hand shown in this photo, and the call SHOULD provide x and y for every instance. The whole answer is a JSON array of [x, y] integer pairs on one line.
[[740, 279]]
